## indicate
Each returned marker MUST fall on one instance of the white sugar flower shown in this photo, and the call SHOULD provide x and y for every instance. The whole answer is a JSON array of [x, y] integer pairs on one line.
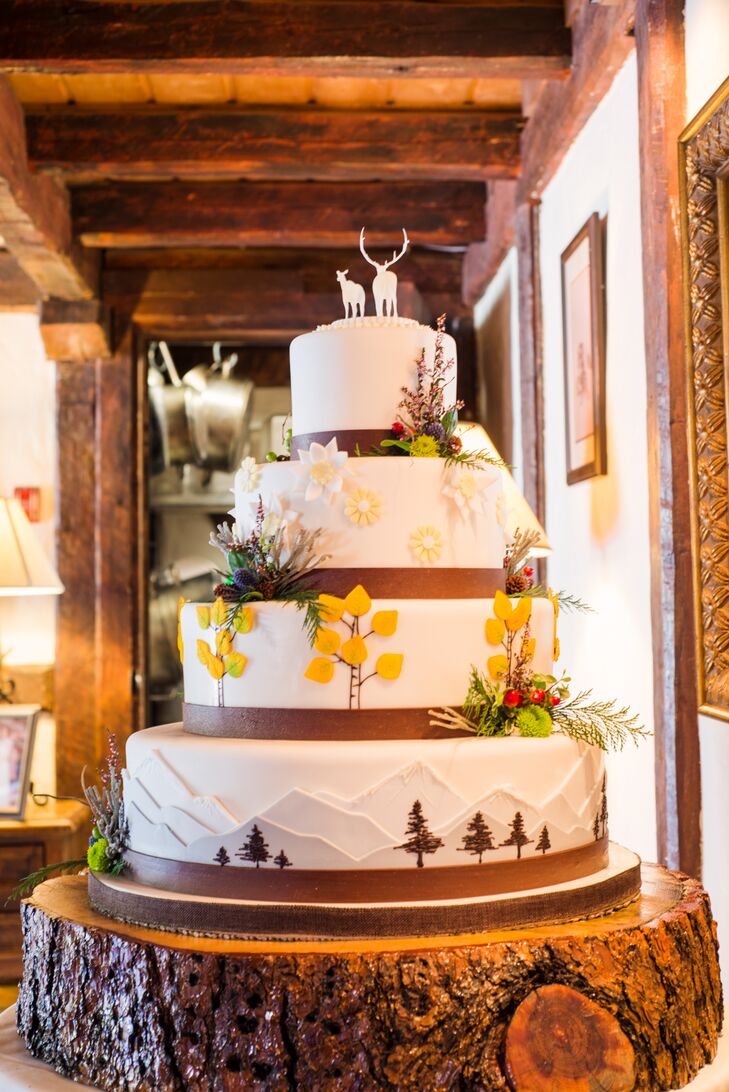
[[363, 507], [248, 475], [278, 517], [426, 544], [326, 469], [466, 488]]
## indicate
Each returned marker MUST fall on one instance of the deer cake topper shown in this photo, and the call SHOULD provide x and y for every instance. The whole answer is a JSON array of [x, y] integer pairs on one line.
[[384, 286], [353, 295]]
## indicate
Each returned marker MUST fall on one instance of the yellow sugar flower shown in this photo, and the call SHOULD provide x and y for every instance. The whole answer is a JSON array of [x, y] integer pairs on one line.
[[426, 544], [363, 507]]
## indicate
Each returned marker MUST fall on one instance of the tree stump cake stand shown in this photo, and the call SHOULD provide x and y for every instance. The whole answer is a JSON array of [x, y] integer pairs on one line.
[[630, 1000]]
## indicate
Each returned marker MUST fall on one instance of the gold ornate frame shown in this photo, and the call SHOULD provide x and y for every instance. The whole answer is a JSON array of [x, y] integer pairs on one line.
[[704, 177]]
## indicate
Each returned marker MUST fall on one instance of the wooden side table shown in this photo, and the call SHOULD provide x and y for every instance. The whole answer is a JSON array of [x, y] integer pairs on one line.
[[59, 831]]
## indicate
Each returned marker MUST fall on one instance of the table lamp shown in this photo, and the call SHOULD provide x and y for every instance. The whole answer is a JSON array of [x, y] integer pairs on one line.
[[519, 515], [24, 568]]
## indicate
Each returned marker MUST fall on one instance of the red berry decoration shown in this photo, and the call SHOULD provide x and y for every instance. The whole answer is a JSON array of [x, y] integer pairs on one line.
[[512, 699], [398, 428], [555, 699], [537, 696], [528, 570]]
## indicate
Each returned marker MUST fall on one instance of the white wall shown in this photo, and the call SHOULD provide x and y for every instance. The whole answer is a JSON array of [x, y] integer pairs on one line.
[[28, 457], [599, 527], [707, 66]]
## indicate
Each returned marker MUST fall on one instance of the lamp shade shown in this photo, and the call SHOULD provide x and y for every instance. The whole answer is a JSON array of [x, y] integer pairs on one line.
[[519, 515], [24, 568]]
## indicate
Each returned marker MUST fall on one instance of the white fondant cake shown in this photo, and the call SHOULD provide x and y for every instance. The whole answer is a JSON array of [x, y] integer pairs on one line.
[[309, 758], [435, 637], [350, 376], [345, 805], [371, 521]]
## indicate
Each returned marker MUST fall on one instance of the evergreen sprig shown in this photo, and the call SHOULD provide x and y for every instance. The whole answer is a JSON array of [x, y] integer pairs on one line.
[[600, 723], [567, 601], [29, 883]]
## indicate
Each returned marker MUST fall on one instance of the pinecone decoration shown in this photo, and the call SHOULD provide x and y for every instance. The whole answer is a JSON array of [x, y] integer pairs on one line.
[[516, 583]]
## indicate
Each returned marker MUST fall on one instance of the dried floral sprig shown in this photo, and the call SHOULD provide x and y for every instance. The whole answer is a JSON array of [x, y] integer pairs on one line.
[[109, 837], [567, 601], [268, 567]]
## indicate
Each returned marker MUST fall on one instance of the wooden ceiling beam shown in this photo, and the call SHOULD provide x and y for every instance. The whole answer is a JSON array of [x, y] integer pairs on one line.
[[376, 38], [260, 308], [238, 141], [76, 332], [17, 290], [292, 214], [35, 218]]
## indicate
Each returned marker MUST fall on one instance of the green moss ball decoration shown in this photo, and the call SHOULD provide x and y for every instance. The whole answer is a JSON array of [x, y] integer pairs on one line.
[[534, 721], [96, 856]]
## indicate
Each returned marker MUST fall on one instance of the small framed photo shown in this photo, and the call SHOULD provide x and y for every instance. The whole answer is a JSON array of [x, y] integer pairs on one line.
[[17, 737], [583, 331]]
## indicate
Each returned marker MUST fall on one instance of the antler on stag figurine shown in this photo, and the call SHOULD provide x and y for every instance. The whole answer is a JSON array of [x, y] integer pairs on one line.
[[384, 286], [353, 295]]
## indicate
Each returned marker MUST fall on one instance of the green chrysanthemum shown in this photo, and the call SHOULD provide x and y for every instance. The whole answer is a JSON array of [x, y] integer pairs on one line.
[[424, 447], [534, 722], [96, 856]]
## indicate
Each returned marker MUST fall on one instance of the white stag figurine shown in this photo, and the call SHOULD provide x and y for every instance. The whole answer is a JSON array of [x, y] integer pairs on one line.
[[384, 286], [353, 295]]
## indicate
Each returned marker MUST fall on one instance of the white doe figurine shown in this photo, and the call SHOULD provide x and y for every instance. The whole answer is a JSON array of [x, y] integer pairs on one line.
[[384, 286], [353, 295]]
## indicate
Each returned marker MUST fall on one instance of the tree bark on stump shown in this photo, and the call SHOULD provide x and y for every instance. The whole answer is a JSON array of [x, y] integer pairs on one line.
[[127, 1008]]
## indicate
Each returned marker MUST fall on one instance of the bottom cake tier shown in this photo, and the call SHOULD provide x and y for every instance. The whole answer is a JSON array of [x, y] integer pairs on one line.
[[457, 821]]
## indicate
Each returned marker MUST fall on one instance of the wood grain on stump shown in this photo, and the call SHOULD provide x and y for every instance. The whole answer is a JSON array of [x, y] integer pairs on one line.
[[127, 1008], [559, 1039]]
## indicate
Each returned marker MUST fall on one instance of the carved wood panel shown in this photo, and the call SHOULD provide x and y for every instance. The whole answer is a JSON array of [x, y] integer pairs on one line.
[[704, 159]]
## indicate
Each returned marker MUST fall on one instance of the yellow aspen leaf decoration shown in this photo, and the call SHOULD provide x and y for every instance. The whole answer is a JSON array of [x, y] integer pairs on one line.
[[358, 602], [243, 620], [384, 622], [497, 666], [215, 666], [235, 664], [320, 670], [203, 616], [554, 600], [495, 631], [203, 651], [219, 612], [555, 651], [327, 641], [223, 642], [389, 665], [520, 615], [354, 651], [502, 606], [331, 607], [180, 645]]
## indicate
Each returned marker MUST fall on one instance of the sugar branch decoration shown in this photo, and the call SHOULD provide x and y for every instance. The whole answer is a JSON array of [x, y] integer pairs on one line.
[[352, 651], [511, 699], [519, 574]]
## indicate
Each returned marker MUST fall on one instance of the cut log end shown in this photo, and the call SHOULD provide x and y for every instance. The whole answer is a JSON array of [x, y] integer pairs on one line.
[[559, 1038]]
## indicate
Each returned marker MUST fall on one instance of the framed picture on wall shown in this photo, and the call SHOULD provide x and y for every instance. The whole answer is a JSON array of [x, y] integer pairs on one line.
[[17, 736], [583, 334]]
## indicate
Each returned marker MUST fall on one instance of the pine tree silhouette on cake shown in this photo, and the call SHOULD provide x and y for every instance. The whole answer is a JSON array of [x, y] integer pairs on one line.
[[222, 857], [478, 839], [544, 843], [421, 840], [596, 827], [255, 848], [604, 807], [282, 861], [518, 836]]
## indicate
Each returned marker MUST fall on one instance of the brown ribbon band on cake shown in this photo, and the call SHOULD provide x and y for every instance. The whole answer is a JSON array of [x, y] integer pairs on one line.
[[396, 884], [236, 722], [289, 922], [350, 440], [411, 583]]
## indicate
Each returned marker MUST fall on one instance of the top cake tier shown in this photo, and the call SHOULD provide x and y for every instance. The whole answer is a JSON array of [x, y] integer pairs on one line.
[[348, 377]]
